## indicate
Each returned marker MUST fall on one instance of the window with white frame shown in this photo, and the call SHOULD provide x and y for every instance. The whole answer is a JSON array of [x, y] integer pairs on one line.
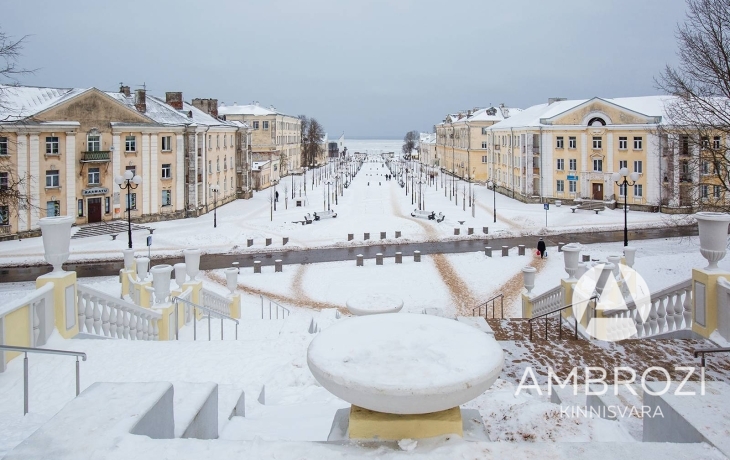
[[623, 143], [623, 164], [52, 178], [210, 166], [560, 186], [716, 142], [225, 141], [255, 125], [572, 186], [167, 198], [130, 144], [217, 141], [597, 142], [622, 190], [4, 215], [717, 191], [231, 140], [559, 142], [166, 143], [80, 207], [573, 164], [3, 145], [94, 176], [703, 191], [705, 142], [705, 167], [4, 180], [639, 166], [484, 144], [218, 164], [52, 146], [638, 190], [484, 158], [265, 125], [53, 208], [131, 201], [166, 171], [225, 163], [93, 143], [572, 142], [597, 165], [560, 164], [638, 143]]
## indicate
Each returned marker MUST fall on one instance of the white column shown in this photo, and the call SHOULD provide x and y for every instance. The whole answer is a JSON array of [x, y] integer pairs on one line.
[[609, 168], [179, 172], [155, 175], [23, 177], [116, 155], [146, 174], [35, 181], [195, 196], [653, 178], [71, 174], [205, 169], [674, 201], [585, 167]]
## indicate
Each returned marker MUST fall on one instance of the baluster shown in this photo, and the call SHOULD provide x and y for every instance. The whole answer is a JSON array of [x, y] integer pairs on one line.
[[688, 307], [81, 308], [148, 327], [97, 316], [121, 322], [112, 320], [89, 313], [678, 318], [639, 323], [36, 321], [127, 325], [650, 327], [672, 320], [661, 314], [105, 318], [140, 326], [155, 330]]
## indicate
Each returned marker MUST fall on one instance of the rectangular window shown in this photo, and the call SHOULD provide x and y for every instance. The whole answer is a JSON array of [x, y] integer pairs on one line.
[[684, 145], [4, 215], [717, 191], [167, 143], [166, 171], [231, 140], [133, 169], [559, 142], [705, 167], [166, 198], [623, 143], [130, 144], [561, 164], [52, 178], [638, 143], [705, 142], [93, 143], [703, 191], [639, 166], [266, 125], [716, 142], [484, 145], [255, 125], [131, 201], [3, 145], [623, 164], [94, 176], [107, 205], [598, 165], [597, 142], [4, 180], [80, 208], [53, 208], [622, 190], [217, 141], [218, 164], [638, 190], [571, 142], [560, 186], [573, 163], [572, 185], [484, 158], [52, 146], [484, 131], [225, 142]]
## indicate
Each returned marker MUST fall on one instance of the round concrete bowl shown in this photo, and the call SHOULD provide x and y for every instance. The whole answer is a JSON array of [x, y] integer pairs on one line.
[[405, 364], [374, 304]]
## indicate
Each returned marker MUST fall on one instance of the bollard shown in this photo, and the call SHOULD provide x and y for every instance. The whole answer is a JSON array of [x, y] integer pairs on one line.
[[397, 233], [399, 257], [379, 259], [487, 251], [521, 249], [586, 258], [366, 236], [382, 235], [416, 256], [249, 242], [505, 251], [457, 231], [485, 230], [350, 236], [268, 241], [284, 240], [560, 247], [277, 266], [360, 261], [257, 266], [470, 231]]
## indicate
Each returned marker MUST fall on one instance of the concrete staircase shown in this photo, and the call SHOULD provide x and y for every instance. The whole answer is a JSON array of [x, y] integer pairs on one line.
[[107, 228]]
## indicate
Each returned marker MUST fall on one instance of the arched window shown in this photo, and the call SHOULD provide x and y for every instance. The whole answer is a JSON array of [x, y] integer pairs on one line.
[[597, 121]]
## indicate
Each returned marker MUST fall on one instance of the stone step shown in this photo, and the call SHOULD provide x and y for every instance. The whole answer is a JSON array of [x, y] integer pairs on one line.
[[196, 410], [231, 403]]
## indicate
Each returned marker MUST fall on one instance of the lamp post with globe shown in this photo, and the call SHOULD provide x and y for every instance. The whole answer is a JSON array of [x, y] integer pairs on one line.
[[620, 178], [493, 186], [128, 181], [215, 189]]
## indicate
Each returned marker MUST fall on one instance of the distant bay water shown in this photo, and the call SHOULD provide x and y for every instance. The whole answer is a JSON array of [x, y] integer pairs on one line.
[[373, 146]]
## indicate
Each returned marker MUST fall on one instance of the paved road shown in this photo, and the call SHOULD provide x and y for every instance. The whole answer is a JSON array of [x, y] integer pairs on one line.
[[308, 256]]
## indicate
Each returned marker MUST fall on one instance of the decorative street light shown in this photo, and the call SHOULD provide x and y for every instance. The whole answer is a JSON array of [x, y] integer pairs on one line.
[[215, 189], [493, 186], [130, 182], [329, 182], [620, 179]]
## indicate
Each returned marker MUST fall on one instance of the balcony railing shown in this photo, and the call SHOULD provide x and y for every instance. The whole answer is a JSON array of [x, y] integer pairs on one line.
[[99, 156]]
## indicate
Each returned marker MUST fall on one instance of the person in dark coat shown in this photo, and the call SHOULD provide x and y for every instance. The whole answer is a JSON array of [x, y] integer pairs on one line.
[[541, 248], [276, 196]]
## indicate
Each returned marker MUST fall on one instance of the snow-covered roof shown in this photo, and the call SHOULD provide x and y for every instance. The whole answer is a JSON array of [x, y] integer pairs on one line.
[[427, 138], [248, 109], [205, 119], [492, 114], [156, 109], [19, 102]]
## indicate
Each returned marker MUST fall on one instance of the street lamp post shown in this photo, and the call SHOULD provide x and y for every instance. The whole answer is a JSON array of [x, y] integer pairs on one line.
[[620, 178], [493, 186], [329, 182], [215, 189], [130, 182]]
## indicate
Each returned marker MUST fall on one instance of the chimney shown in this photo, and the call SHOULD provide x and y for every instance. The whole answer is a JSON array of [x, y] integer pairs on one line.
[[556, 99], [174, 99], [124, 90], [209, 106], [140, 100]]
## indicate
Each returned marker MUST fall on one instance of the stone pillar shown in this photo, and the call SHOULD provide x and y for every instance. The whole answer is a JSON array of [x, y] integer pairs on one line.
[[521, 249], [470, 231], [488, 251], [379, 259], [399, 257], [268, 241], [284, 240], [366, 236], [360, 261], [235, 306], [65, 308], [257, 266], [382, 235], [457, 231], [277, 266], [397, 233], [416, 256], [485, 230], [350, 236], [560, 246], [249, 242], [505, 251]]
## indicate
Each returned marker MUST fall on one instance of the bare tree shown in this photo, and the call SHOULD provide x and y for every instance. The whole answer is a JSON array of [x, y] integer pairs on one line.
[[410, 143], [694, 140], [312, 138]]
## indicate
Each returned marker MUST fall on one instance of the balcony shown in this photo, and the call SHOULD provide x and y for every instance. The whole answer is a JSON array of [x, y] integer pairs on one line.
[[99, 156], [536, 150]]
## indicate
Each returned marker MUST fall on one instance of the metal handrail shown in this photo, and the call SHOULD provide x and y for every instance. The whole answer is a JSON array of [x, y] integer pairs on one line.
[[284, 309], [486, 311], [47, 351], [558, 310], [210, 311], [703, 351]]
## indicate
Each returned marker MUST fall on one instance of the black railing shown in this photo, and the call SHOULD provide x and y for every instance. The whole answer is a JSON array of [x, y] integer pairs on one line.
[[485, 305], [95, 156], [560, 318], [703, 351]]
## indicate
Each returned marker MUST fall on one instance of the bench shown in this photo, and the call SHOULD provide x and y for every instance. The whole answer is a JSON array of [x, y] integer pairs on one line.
[[589, 206], [307, 219], [430, 215], [325, 215], [114, 235]]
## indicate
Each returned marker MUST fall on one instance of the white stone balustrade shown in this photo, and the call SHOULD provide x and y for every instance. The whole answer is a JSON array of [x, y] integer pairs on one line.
[[104, 315], [547, 301], [215, 302]]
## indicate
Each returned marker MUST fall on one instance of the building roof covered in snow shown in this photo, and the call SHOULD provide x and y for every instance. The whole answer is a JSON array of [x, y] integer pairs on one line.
[[249, 109], [488, 114]]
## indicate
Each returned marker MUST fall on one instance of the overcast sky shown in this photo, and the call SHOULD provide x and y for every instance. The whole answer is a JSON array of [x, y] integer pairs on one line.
[[370, 68]]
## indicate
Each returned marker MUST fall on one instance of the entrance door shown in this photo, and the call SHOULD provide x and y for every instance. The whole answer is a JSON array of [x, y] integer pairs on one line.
[[597, 191], [94, 210]]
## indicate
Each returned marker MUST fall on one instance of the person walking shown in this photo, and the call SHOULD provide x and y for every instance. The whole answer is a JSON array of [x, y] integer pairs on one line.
[[541, 248], [276, 196]]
